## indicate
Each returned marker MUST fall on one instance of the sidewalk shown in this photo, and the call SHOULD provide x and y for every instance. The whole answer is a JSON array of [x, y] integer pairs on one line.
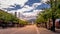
[[46, 31]]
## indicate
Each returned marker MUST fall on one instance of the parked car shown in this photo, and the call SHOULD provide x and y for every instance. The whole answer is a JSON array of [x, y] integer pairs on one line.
[[57, 23]]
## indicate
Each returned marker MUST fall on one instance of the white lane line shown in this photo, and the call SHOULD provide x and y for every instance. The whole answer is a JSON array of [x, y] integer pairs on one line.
[[37, 30]]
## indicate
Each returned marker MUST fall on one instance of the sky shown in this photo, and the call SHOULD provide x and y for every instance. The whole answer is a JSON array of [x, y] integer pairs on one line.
[[28, 8]]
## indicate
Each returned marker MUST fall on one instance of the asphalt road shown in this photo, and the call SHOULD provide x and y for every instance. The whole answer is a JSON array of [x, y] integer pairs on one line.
[[30, 29]]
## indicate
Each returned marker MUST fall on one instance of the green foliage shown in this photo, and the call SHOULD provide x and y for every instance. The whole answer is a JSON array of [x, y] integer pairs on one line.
[[23, 22], [39, 19], [44, 16], [6, 17], [48, 13]]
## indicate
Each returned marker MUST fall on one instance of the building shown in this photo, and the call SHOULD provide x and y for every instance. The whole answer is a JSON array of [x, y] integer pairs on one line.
[[16, 14], [19, 14]]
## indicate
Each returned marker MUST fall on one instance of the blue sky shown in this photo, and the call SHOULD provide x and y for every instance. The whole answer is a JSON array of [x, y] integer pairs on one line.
[[31, 2], [27, 8], [15, 7]]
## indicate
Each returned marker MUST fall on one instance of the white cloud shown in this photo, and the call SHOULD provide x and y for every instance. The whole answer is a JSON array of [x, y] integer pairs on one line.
[[12, 2], [37, 11], [34, 12], [44, 1], [25, 8], [31, 14], [7, 3], [28, 8], [36, 4]]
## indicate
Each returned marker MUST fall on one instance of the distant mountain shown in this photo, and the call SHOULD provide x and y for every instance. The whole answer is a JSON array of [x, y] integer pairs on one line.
[[31, 20]]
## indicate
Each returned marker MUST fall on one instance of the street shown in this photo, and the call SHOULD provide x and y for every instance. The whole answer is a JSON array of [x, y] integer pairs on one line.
[[30, 29]]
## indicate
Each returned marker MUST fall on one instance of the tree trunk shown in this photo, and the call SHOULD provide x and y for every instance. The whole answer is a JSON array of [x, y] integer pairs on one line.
[[46, 24], [53, 26]]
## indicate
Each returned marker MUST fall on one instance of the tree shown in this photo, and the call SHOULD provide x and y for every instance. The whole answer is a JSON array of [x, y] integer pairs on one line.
[[52, 13], [7, 18]]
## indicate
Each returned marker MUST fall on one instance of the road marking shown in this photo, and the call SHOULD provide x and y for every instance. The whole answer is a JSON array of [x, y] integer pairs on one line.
[[37, 30]]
